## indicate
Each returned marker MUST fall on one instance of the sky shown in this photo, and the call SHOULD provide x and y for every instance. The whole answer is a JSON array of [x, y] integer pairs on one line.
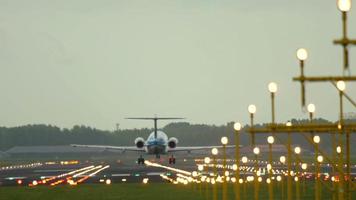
[[96, 62]]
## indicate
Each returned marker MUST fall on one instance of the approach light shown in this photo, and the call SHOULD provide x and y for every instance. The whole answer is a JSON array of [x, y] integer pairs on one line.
[[311, 108], [200, 167], [282, 159], [237, 126], [338, 149], [252, 109], [206, 160], [320, 158], [214, 151], [224, 140], [256, 150], [302, 54], [272, 87], [304, 166], [341, 85], [297, 150], [316, 139], [244, 159], [270, 139], [344, 5]]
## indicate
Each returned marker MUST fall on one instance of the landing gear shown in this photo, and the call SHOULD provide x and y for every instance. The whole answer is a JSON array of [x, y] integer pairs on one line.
[[141, 160], [172, 160]]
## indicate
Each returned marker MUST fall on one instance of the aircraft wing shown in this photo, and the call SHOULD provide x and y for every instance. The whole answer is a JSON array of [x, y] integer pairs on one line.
[[189, 149], [122, 148]]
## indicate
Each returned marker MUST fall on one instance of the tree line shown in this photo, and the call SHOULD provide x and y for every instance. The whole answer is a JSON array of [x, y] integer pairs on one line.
[[187, 134]]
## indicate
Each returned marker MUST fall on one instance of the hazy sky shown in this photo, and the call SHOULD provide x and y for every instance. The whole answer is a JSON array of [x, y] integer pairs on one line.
[[96, 62]]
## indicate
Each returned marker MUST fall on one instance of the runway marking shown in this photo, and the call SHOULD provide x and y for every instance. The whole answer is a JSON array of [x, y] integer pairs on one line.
[[120, 175]]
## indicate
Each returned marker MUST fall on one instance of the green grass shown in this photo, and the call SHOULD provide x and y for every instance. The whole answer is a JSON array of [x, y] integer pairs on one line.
[[152, 191]]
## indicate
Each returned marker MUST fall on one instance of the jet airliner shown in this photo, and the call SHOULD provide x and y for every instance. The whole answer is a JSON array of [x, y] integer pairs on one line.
[[157, 143]]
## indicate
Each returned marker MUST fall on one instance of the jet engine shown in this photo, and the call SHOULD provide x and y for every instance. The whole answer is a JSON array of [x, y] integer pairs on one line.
[[139, 142], [172, 142]]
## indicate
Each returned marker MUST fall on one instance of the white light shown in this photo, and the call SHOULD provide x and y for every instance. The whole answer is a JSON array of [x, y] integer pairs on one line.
[[234, 167], [344, 5], [341, 85], [289, 123], [272, 87], [316, 139], [269, 167], [108, 182], [259, 179], [304, 166], [268, 181], [194, 173], [244, 159], [237, 126], [282, 159], [200, 167], [256, 150], [214, 151], [145, 181], [302, 54], [338, 149], [297, 150], [320, 159], [227, 173], [279, 178], [241, 181], [34, 183], [206, 160], [224, 140], [311, 108], [270, 139], [296, 179], [252, 109]]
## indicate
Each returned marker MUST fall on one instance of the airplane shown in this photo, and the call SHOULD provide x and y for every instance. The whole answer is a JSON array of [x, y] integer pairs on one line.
[[157, 143]]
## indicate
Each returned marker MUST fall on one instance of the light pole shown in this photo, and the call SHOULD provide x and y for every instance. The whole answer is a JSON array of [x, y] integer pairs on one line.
[[297, 151], [272, 87], [237, 127], [341, 86], [270, 140], [289, 164], [319, 161], [224, 141], [244, 161], [344, 6], [215, 152], [316, 140], [207, 161], [302, 55], [304, 167], [282, 159], [256, 151], [252, 110]]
